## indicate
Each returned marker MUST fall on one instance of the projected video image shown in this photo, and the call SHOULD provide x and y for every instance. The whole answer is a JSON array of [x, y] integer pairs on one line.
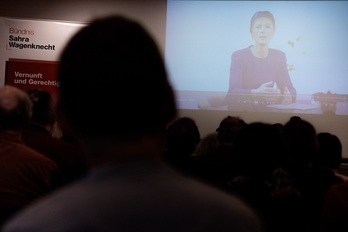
[[275, 56]]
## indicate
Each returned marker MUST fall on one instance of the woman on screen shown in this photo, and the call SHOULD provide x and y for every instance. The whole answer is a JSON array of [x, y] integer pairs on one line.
[[259, 74]]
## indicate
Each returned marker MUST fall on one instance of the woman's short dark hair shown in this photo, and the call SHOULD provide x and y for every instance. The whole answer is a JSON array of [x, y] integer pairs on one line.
[[261, 14]]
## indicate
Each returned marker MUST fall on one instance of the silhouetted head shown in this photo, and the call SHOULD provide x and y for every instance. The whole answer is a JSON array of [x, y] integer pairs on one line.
[[15, 108], [229, 129], [329, 151], [42, 111], [182, 136], [300, 140], [260, 149], [295, 118], [113, 81], [207, 146]]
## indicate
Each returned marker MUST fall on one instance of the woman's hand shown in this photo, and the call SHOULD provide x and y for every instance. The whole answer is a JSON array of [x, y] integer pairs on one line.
[[287, 97], [267, 88]]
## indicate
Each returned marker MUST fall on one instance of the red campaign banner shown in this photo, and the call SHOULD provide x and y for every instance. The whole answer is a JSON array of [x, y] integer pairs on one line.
[[32, 74]]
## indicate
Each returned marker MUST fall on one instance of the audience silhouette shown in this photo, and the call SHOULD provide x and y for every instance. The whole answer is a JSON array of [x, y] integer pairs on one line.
[[182, 138], [69, 159], [335, 210], [217, 167], [329, 154], [25, 174], [279, 176], [300, 141], [312, 182], [229, 129], [206, 146], [335, 207], [277, 169], [261, 178], [128, 187]]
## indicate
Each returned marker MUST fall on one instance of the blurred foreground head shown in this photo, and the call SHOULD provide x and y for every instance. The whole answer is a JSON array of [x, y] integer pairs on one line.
[[113, 82], [15, 108]]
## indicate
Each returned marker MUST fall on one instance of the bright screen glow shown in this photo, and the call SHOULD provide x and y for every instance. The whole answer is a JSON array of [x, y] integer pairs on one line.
[[202, 35]]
